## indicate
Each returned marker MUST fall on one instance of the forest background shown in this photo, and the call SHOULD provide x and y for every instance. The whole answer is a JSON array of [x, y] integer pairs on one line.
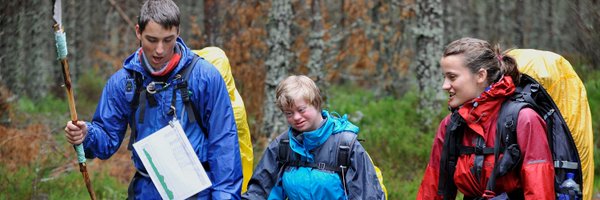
[[376, 61]]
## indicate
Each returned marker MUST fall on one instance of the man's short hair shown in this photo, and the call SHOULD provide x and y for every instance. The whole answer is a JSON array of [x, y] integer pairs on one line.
[[295, 87], [163, 12]]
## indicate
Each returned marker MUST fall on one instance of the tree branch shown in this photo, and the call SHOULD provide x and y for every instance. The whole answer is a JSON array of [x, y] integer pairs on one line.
[[122, 13]]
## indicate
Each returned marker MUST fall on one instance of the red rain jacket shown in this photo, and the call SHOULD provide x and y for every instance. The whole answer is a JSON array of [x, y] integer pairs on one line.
[[536, 174]]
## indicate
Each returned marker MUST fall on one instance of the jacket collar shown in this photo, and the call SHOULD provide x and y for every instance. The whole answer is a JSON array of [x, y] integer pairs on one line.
[[479, 110], [133, 61], [310, 140]]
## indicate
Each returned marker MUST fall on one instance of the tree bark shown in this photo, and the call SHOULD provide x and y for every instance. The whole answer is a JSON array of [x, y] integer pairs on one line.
[[429, 48], [316, 65], [212, 22], [277, 64]]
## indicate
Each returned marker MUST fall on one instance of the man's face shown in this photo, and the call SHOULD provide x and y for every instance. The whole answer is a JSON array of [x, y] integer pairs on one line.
[[158, 43]]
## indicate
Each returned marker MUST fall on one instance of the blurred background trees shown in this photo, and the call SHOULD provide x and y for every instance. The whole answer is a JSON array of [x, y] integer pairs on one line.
[[379, 45], [388, 47]]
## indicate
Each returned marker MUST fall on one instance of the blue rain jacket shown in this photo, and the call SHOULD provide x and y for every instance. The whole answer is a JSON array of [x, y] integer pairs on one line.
[[319, 146], [209, 96]]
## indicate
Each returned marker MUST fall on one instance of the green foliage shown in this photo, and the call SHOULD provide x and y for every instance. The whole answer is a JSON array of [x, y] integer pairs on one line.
[[592, 86], [16, 184], [26, 184], [46, 105], [393, 135], [88, 92]]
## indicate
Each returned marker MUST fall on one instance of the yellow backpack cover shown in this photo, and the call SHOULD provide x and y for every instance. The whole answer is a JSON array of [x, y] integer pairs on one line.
[[217, 57], [559, 79]]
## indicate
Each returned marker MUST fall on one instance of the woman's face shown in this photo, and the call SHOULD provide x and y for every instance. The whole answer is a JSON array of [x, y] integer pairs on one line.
[[303, 116], [461, 84]]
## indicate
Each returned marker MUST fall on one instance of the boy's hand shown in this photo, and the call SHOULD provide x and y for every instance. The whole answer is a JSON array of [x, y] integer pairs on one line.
[[76, 133]]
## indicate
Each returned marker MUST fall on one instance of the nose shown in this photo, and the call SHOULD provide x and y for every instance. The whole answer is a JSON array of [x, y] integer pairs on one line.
[[160, 48], [296, 116], [446, 84]]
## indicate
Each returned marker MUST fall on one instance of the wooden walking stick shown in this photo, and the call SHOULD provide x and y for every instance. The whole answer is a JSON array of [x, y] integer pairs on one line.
[[61, 50]]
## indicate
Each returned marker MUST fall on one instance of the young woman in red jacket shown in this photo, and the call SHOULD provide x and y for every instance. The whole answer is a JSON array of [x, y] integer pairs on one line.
[[478, 79]]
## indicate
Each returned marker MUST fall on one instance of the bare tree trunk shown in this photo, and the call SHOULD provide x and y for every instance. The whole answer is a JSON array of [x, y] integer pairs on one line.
[[212, 22], [277, 64], [589, 34], [316, 65], [16, 80], [40, 70], [429, 48], [518, 15], [192, 23], [551, 24]]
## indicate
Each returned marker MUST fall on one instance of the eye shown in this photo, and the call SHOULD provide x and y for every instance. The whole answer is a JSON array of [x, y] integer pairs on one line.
[[301, 110], [287, 114], [452, 77]]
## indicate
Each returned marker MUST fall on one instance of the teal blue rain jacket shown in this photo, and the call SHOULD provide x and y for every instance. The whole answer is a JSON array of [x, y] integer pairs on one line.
[[272, 180]]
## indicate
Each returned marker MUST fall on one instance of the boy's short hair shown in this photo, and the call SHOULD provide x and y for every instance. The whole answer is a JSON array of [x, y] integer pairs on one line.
[[163, 12], [294, 87]]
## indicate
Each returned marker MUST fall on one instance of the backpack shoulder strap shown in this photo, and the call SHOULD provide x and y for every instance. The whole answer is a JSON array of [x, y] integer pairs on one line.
[[345, 145], [283, 155], [137, 80], [284, 149], [506, 136], [450, 152], [193, 115]]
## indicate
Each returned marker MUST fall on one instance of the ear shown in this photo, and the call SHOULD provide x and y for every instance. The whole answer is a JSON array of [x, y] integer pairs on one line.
[[481, 76], [138, 34]]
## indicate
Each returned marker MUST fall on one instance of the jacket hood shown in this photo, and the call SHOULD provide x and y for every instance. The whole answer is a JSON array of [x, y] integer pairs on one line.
[[480, 109], [314, 139]]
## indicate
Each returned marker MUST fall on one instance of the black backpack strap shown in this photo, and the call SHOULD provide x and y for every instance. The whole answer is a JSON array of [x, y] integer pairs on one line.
[[283, 155], [284, 149], [479, 149], [506, 142], [450, 153], [137, 80], [193, 115], [345, 145]]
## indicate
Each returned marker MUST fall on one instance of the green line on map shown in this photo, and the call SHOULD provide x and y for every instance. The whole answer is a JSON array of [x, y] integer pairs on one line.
[[161, 178]]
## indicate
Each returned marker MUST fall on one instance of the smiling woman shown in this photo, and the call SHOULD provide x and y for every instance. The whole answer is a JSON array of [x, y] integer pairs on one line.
[[459, 82], [479, 79]]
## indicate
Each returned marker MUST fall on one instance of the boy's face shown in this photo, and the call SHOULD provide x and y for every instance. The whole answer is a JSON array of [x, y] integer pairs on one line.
[[158, 43], [302, 116]]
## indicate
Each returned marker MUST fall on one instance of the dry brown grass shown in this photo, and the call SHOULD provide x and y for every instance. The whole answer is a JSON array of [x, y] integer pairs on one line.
[[24, 147], [35, 146]]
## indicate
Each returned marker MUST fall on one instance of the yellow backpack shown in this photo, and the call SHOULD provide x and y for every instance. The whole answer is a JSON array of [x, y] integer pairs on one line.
[[557, 76], [217, 57]]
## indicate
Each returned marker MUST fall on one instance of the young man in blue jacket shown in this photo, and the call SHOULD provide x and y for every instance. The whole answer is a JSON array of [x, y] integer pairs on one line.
[[157, 67]]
